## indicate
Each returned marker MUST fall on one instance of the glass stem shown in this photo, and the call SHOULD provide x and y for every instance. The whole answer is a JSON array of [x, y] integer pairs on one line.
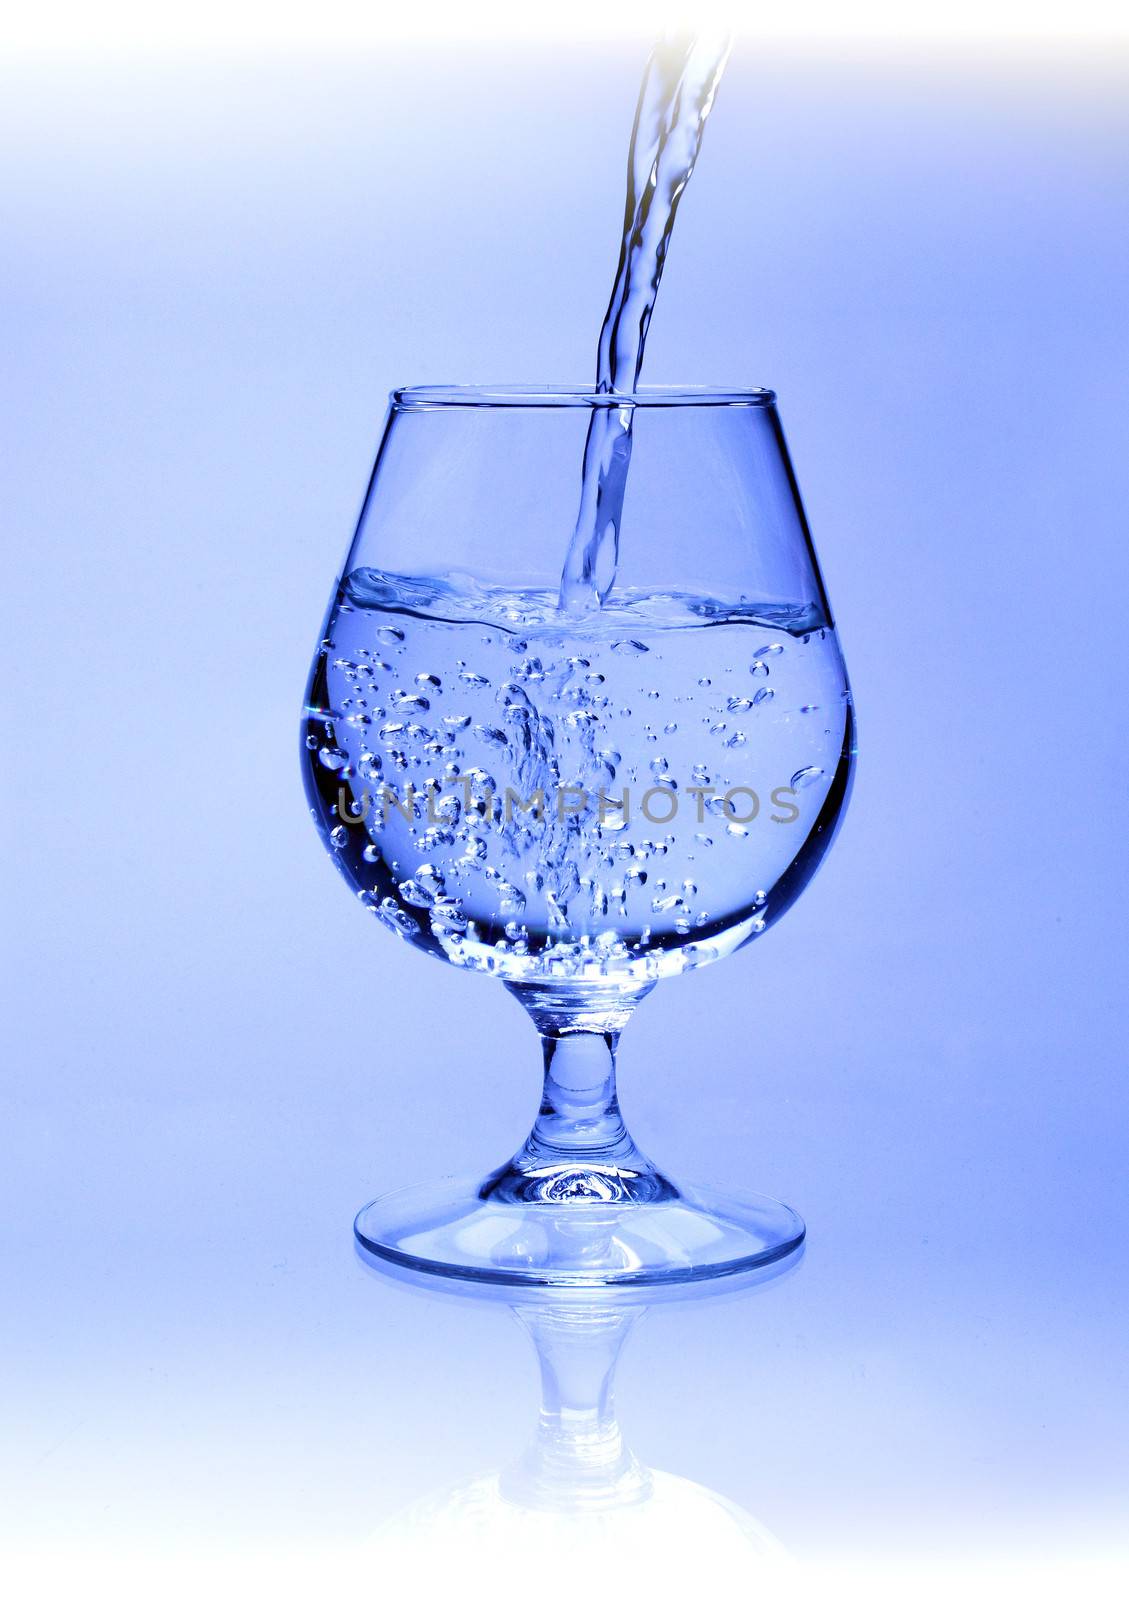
[[579, 1148]]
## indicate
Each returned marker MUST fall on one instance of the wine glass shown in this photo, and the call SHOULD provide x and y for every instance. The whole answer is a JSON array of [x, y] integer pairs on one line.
[[578, 799]]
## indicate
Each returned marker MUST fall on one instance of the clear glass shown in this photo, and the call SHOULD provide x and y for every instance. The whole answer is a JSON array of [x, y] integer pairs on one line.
[[576, 801]]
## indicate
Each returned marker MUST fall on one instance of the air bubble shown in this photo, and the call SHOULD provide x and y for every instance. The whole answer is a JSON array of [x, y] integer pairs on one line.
[[806, 776], [447, 920], [394, 917], [424, 888], [434, 839]]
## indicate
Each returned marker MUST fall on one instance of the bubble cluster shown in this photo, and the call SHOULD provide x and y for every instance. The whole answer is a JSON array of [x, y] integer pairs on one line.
[[536, 796]]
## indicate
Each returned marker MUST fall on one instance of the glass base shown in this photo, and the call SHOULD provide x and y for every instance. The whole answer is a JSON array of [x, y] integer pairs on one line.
[[468, 1228]]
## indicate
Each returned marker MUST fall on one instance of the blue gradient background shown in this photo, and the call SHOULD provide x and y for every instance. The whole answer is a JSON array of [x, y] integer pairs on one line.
[[214, 271]]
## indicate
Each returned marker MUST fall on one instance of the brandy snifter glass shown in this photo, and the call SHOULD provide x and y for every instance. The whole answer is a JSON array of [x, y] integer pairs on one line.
[[578, 802]]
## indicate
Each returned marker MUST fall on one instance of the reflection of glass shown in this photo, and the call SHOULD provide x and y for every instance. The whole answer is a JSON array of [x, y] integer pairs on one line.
[[578, 1493], [578, 802]]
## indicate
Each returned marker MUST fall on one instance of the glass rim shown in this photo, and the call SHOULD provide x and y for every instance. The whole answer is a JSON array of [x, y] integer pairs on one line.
[[504, 396]]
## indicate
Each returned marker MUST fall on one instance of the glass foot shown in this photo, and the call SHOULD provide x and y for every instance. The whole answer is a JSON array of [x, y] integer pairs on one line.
[[467, 1228]]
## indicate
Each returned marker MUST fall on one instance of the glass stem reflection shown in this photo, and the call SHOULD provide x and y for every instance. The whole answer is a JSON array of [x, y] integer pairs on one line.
[[579, 1148], [578, 1459]]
